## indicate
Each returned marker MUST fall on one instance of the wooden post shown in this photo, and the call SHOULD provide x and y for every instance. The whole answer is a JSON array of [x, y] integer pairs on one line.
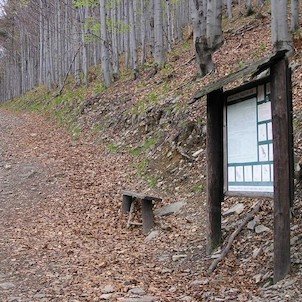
[[282, 145], [215, 103], [147, 215], [126, 204]]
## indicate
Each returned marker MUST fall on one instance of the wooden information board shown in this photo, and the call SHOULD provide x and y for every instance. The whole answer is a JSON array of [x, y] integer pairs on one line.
[[249, 141]]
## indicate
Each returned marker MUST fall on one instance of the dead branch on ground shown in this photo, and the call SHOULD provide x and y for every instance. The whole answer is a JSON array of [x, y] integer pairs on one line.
[[227, 247]]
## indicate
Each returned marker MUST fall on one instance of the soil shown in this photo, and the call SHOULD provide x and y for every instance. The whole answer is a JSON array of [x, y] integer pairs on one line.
[[63, 237]]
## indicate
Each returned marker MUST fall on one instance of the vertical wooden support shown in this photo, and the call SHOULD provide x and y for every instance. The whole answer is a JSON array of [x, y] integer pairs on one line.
[[147, 215], [282, 145], [126, 204], [291, 137], [215, 103]]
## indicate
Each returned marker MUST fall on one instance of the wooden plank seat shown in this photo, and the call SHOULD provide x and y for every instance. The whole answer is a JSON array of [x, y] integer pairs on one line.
[[146, 202]]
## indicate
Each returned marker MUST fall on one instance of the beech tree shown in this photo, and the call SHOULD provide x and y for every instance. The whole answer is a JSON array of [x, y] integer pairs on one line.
[[159, 51], [45, 41], [105, 44], [207, 32], [281, 37], [133, 42], [294, 15]]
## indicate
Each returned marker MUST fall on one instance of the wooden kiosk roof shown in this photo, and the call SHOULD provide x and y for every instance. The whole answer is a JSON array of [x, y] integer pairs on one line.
[[253, 69]]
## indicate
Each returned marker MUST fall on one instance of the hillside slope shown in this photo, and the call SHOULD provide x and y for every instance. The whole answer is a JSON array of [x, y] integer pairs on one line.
[[146, 135]]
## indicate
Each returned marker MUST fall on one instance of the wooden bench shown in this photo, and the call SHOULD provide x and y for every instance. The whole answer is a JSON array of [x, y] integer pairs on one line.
[[146, 202]]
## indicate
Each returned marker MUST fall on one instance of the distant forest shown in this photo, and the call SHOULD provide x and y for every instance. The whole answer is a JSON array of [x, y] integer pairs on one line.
[[43, 42]]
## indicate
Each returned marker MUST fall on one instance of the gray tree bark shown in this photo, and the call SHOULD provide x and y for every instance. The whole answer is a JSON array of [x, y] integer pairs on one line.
[[105, 45], [159, 51], [281, 37]]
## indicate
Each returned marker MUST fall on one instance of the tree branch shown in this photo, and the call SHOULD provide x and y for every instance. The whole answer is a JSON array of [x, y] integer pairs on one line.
[[227, 248]]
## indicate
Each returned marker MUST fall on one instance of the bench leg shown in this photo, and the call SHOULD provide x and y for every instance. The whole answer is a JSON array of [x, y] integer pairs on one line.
[[147, 215], [126, 204]]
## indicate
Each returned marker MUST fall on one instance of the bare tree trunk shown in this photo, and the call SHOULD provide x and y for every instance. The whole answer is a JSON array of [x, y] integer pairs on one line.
[[249, 7], [214, 24], [115, 43], [159, 51], [168, 27], [152, 38], [133, 43], [203, 52], [105, 45], [280, 34], [143, 32], [295, 15]]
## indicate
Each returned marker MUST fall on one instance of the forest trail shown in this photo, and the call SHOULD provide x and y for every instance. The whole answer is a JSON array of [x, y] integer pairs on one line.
[[62, 236]]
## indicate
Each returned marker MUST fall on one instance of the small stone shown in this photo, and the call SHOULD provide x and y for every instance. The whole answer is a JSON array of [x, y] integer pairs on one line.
[[257, 252], [107, 289], [152, 236], [136, 291], [195, 154], [294, 227], [39, 296], [186, 298], [294, 240], [238, 208], [7, 167], [251, 225], [197, 283], [288, 283], [140, 299], [166, 271], [267, 284], [172, 289], [14, 299], [164, 257], [261, 228], [106, 296], [178, 257], [269, 249], [169, 209], [7, 285], [258, 278]]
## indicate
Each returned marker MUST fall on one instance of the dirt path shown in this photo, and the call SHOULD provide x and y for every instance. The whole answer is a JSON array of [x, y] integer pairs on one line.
[[26, 188], [62, 237]]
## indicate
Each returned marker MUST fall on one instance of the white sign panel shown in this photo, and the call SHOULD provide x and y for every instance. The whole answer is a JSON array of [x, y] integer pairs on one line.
[[242, 132], [249, 141]]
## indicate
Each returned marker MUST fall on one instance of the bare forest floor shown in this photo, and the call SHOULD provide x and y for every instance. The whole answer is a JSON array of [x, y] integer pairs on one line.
[[62, 234]]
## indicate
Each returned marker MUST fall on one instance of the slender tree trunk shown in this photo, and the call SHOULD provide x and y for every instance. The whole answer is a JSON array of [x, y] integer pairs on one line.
[[229, 9], [115, 43], [133, 42], [105, 45], [143, 32], [152, 38], [295, 15]]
